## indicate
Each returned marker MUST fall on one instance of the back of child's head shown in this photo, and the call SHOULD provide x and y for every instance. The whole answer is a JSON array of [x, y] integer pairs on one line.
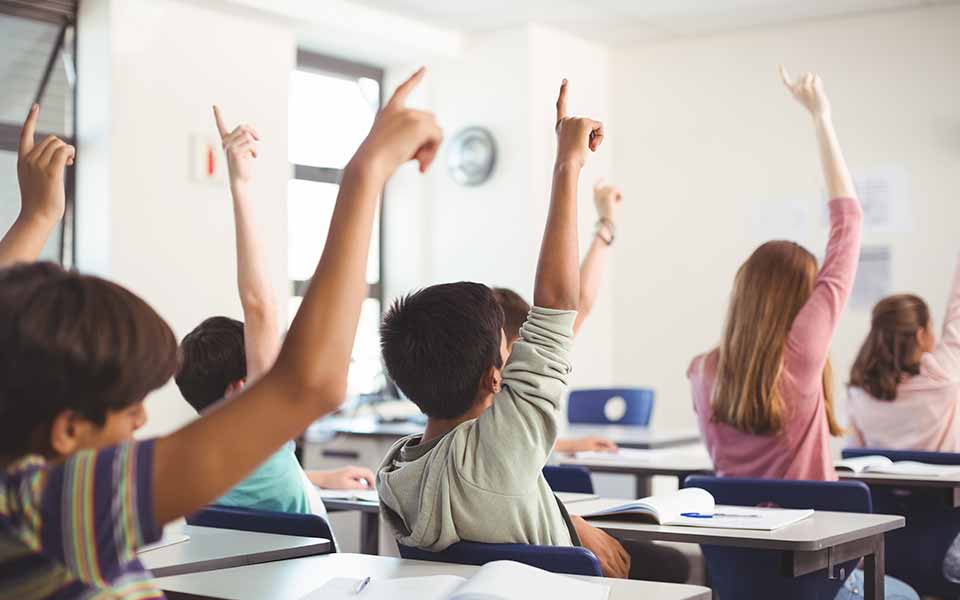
[[439, 342], [515, 312], [71, 342], [892, 348], [212, 357]]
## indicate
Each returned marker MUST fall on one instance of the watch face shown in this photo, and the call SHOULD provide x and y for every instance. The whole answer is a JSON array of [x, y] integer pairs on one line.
[[471, 156]]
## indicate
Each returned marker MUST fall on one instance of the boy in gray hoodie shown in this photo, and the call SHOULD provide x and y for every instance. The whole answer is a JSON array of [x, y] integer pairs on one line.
[[476, 472]]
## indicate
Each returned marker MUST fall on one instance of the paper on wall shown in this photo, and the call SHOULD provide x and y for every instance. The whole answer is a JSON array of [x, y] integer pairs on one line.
[[873, 277]]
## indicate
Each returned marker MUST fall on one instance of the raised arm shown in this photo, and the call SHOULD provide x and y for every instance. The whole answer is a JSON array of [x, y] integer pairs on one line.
[[812, 331], [607, 199], [40, 169], [261, 331], [202, 460], [947, 351], [557, 282]]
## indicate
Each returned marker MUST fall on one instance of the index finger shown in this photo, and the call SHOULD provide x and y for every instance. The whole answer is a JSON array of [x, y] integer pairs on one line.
[[785, 77], [29, 127], [219, 119], [562, 102], [399, 97]]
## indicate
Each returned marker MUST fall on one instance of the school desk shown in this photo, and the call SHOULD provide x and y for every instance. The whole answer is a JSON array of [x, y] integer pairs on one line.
[[672, 462]]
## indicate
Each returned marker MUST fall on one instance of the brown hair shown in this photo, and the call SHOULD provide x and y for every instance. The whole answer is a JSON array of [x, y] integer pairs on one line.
[[73, 342], [769, 290], [515, 312], [890, 350]]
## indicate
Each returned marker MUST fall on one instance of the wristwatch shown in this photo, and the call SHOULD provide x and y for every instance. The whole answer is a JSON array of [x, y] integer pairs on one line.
[[606, 230]]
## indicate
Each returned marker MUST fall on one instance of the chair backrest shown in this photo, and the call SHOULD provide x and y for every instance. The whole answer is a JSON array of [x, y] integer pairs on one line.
[[569, 478], [263, 521], [591, 406], [746, 574], [933, 458], [915, 553], [571, 560]]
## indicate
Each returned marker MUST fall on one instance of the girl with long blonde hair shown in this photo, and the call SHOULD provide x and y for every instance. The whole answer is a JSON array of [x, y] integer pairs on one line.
[[764, 396]]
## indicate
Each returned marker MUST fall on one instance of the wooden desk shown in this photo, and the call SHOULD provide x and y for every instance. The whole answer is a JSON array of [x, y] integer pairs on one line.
[[818, 542], [293, 579], [643, 464], [211, 548]]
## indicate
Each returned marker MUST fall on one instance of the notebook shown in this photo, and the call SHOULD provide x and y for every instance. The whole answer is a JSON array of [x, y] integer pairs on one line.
[[692, 507], [499, 580], [364, 495], [882, 464], [163, 542]]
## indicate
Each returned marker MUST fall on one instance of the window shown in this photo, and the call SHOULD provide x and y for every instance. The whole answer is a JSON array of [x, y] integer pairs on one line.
[[320, 144], [37, 64]]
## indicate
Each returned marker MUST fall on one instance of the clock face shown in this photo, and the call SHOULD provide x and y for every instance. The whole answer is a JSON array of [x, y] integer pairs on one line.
[[471, 156]]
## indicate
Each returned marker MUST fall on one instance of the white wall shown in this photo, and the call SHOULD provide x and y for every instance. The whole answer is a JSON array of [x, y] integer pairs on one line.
[[169, 238], [707, 133]]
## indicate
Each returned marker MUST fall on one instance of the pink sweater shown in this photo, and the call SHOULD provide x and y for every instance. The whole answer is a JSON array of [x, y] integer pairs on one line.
[[801, 450], [924, 416]]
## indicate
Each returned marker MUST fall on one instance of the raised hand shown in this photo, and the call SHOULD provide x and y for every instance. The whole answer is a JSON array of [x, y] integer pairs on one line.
[[346, 478], [240, 146], [808, 91], [400, 134], [575, 135], [40, 171], [607, 199]]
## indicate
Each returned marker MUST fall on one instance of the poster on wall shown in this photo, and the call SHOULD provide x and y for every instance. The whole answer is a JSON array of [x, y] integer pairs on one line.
[[873, 277], [885, 197]]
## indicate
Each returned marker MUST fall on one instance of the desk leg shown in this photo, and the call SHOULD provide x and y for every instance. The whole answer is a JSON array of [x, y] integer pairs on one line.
[[874, 570], [370, 533], [644, 486]]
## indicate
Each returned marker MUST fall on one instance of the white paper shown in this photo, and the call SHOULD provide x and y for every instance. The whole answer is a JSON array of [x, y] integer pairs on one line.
[[884, 194], [873, 277], [364, 495]]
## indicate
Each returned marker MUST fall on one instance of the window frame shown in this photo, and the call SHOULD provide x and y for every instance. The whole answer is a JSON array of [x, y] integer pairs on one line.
[[338, 67], [64, 15]]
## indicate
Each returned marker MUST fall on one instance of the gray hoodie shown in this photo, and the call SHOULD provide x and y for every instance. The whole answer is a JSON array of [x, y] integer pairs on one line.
[[483, 480]]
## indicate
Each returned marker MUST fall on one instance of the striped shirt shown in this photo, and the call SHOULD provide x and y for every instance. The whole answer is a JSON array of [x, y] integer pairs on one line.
[[71, 529]]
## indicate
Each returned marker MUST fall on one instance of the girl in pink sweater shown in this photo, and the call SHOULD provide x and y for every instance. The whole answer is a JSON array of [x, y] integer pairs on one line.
[[905, 386], [763, 397]]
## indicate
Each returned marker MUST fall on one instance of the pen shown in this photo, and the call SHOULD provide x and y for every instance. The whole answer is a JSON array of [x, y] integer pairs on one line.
[[696, 515], [363, 583]]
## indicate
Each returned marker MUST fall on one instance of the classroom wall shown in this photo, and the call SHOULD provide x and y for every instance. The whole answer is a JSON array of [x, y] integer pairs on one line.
[[711, 149], [143, 220]]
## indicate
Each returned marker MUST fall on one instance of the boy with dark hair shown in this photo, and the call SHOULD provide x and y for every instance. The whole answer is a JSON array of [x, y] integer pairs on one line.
[[78, 355], [213, 358], [476, 471]]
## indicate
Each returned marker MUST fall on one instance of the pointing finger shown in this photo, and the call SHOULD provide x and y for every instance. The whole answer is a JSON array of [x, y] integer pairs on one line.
[[219, 119], [562, 103], [786, 77], [29, 128], [399, 97]]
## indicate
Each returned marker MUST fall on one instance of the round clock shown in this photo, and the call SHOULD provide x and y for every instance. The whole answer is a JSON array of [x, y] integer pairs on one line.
[[471, 156]]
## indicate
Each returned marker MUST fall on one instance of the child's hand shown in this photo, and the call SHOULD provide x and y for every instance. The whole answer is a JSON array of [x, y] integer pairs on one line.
[[40, 169], [808, 90], [586, 444], [240, 146], [400, 134], [575, 135], [614, 560], [607, 198], [347, 478]]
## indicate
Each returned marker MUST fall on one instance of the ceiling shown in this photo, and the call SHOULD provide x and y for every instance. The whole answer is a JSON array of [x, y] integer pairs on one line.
[[619, 22]]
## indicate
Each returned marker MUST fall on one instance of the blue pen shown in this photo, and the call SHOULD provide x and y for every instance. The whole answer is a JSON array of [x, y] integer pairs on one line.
[[696, 515]]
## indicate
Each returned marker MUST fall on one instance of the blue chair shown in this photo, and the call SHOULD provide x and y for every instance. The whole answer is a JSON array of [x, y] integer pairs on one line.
[[915, 553], [571, 560], [569, 478], [587, 406], [263, 521], [744, 573]]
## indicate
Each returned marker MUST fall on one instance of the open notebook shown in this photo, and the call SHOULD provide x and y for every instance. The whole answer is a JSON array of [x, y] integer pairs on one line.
[[499, 580], [882, 464], [692, 507], [365, 495]]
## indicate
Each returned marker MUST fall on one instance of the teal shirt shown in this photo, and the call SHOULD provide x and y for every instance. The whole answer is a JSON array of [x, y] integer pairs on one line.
[[277, 484]]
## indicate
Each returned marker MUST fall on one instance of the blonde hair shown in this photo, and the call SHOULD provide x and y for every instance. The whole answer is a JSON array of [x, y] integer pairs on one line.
[[769, 290]]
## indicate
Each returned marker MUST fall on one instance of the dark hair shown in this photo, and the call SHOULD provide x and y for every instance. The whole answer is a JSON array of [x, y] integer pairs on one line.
[[212, 356], [515, 312], [438, 342], [890, 350], [73, 342]]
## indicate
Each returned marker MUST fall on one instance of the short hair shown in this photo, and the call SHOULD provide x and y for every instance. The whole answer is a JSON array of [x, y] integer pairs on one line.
[[73, 342], [515, 312], [438, 342], [212, 356]]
